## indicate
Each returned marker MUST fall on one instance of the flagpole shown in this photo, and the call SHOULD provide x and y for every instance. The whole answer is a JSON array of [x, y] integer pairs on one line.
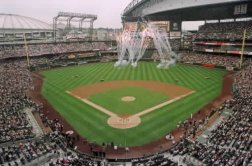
[[242, 50]]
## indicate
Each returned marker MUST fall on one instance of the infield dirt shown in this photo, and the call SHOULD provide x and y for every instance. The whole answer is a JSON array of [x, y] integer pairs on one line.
[[174, 92], [137, 151]]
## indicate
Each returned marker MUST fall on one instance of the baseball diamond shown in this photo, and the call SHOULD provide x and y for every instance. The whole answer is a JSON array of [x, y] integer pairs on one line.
[[116, 120], [129, 83], [168, 97]]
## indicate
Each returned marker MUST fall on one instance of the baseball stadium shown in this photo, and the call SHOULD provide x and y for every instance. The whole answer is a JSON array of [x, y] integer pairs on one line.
[[150, 93]]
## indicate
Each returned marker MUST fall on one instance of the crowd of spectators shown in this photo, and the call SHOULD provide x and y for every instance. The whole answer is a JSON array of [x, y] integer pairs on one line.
[[225, 31], [212, 154], [175, 44], [26, 151], [236, 130], [18, 142], [14, 83], [159, 159], [52, 48], [230, 142], [204, 58], [49, 148]]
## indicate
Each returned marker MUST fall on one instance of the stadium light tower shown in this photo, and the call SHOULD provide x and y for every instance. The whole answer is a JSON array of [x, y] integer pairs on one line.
[[69, 17]]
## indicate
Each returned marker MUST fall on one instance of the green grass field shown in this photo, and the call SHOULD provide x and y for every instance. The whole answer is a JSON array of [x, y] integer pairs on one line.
[[111, 100], [92, 124]]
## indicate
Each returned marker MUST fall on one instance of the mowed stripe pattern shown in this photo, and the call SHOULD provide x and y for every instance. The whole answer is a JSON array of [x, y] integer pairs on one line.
[[92, 124]]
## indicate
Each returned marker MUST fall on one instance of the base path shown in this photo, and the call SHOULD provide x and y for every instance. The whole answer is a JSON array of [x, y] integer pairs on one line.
[[174, 92], [114, 120]]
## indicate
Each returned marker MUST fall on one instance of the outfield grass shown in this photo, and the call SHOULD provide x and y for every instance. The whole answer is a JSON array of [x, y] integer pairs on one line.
[[111, 100], [92, 124]]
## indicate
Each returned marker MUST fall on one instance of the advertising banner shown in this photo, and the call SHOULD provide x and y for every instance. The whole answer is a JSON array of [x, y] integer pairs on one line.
[[164, 25]]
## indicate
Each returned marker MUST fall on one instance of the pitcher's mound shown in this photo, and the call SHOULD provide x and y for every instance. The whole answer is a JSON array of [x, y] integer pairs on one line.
[[128, 98]]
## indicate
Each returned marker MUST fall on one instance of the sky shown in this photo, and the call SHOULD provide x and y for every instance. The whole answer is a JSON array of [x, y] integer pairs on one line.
[[108, 11]]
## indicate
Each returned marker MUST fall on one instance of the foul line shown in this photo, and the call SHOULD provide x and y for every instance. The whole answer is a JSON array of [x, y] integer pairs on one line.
[[104, 110], [148, 110], [98, 107]]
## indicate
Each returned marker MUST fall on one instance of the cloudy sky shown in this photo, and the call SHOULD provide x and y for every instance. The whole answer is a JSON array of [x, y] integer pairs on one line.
[[108, 11]]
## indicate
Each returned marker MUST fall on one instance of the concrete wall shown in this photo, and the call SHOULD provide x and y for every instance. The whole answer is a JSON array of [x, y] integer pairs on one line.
[[166, 5]]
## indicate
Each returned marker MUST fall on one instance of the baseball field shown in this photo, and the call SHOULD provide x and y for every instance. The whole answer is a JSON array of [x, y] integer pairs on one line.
[[129, 106]]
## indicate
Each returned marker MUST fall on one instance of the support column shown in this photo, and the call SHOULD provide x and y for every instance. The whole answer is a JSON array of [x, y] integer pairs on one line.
[[54, 28], [91, 30]]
